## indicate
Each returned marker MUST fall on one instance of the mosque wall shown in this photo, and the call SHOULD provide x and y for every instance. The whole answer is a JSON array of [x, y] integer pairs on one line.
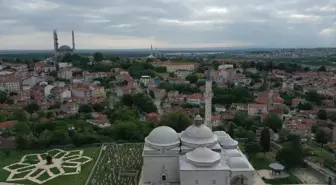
[[157, 166], [204, 177]]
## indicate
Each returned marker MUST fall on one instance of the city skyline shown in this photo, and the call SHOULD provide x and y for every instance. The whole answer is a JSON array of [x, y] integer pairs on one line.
[[167, 24]]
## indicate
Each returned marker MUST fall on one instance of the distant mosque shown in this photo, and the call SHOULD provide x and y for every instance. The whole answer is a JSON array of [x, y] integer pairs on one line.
[[155, 53], [64, 49]]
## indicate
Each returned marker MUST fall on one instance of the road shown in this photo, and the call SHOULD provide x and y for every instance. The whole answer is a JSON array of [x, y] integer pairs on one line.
[[157, 103]]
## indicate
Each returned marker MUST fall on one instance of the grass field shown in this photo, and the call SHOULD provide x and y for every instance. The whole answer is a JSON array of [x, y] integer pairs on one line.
[[119, 164], [16, 155]]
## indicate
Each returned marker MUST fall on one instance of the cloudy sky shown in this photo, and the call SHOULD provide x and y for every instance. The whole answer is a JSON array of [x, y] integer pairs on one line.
[[110, 24]]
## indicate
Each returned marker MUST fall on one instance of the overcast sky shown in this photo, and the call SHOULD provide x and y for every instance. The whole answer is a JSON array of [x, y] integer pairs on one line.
[[110, 24]]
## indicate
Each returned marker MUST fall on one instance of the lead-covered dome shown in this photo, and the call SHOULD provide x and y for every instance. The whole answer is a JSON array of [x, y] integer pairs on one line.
[[221, 134], [64, 48], [228, 142], [198, 135], [203, 157], [162, 137], [237, 163], [233, 153]]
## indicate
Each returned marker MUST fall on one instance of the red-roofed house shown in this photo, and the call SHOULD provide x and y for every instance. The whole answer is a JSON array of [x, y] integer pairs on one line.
[[256, 109], [6, 124], [153, 117], [194, 99]]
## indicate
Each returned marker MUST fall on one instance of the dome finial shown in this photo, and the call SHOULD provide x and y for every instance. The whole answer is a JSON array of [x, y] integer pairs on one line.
[[198, 120]]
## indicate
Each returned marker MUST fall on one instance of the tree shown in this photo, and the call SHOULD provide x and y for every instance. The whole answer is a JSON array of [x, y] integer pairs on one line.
[[179, 121], [251, 136], [98, 57], [322, 114], [231, 130], [265, 140], [85, 108], [322, 68], [49, 159], [3, 96], [192, 78], [251, 149], [291, 155], [32, 107], [151, 93], [274, 122], [239, 118], [305, 106], [127, 131], [321, 137]]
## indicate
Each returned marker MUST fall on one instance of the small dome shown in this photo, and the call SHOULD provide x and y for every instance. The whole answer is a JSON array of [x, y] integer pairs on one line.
[[203, 157], [195, 136], [228, 143], [162, 136], [221, 134], [64, 48], [237, 162], [232, 153]]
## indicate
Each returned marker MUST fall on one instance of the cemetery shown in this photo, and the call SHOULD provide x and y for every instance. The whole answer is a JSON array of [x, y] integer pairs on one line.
[[50, 167], [119, 164]]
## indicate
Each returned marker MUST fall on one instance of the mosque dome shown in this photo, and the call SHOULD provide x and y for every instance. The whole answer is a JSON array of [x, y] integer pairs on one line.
[[163, 136], [237, 162], [228, 142], [232, 153], [220, 134], [65, 48], [203, 157], [198, 135]]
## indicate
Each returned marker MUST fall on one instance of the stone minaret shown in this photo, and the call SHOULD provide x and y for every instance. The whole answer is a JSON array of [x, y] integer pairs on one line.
[[208, 99], [73, 41], [55, 41]]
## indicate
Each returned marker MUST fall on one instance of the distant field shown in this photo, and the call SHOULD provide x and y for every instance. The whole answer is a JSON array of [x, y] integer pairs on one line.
[[79, 179], [119, 164]]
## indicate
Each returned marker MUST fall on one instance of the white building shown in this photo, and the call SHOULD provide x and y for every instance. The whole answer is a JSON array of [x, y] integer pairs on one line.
[[145, 79], [197, 156]]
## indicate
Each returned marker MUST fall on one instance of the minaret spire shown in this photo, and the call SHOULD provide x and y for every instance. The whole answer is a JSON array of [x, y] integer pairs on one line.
[[208, 99], [55, 41], [73, 41]]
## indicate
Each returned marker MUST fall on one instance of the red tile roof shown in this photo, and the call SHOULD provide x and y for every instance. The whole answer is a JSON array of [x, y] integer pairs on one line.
[[7, 124]]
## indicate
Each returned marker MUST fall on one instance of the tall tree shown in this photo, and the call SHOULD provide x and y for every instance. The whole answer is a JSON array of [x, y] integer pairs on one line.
[[98, 57], [251, 149], [321, 137], [265, 140], [179, 121], [231, 130], [274, 122], [322, 114]]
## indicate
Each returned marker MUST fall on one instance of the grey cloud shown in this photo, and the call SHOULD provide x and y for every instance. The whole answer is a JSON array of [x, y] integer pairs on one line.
[[275, 23]]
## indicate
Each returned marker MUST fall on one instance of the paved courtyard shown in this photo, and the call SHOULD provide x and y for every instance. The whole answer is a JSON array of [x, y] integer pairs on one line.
[[268, 174], [309, 176]]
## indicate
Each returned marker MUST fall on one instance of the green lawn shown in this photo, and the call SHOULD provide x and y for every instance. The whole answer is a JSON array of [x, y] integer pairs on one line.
[[292, 179], [16, 155]]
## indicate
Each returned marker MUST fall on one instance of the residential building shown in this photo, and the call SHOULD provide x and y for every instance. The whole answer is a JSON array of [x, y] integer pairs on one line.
[[176, 66], [256, 109]]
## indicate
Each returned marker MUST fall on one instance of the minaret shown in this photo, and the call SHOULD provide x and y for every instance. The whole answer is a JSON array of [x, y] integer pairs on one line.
[[73, 41], [55, 41], [151, 50], [208, 99]]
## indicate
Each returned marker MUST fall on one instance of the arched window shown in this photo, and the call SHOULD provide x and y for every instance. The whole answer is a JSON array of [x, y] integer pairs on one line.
[[239, 180]]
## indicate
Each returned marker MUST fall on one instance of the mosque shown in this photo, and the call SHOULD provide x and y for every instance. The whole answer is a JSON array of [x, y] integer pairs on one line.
[[197, 156], [64, 49]]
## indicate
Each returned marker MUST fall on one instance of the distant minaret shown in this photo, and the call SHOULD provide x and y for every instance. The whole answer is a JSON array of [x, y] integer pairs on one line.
[[151, 50], [208, 99], [55, 41], [73, 41]]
